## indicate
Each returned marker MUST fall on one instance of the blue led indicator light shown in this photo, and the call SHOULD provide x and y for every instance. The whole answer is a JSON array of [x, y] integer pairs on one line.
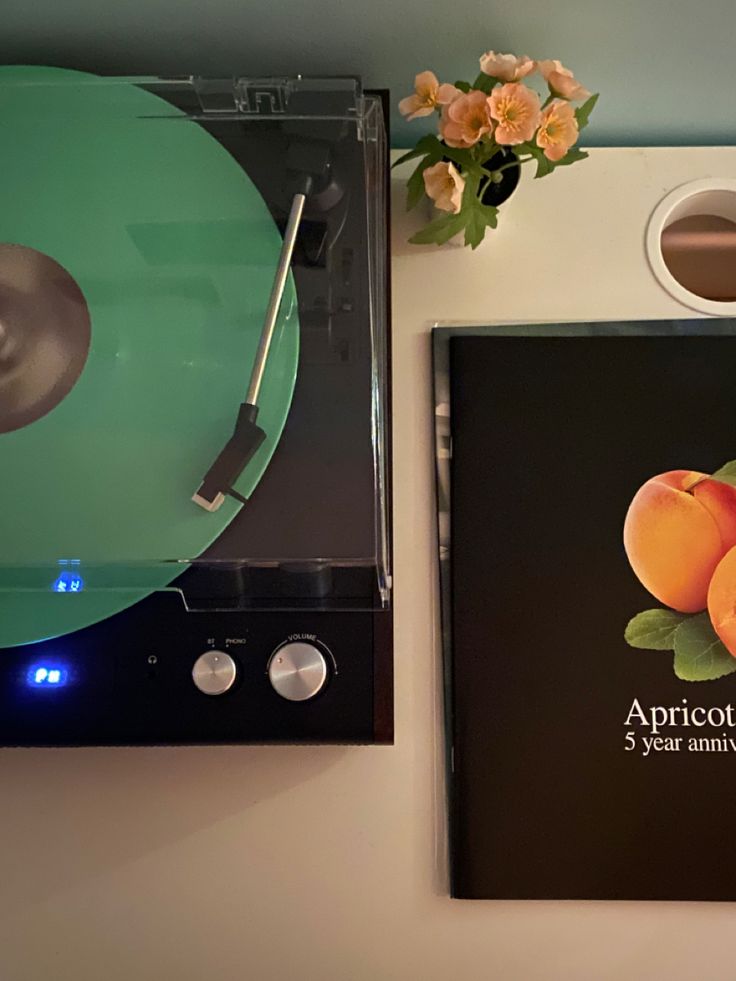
[[43, 676], [68, 582]]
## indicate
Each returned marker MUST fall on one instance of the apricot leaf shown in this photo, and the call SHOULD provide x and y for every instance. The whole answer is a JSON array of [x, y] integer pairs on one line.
[[727, 473], [699, 654], [654, 630]]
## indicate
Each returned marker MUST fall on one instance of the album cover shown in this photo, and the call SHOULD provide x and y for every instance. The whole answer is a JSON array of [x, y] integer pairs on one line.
[[592, 613]]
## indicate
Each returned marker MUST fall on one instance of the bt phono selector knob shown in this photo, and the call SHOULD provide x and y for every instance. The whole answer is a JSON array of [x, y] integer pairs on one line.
[[214, 672], [298, 671]]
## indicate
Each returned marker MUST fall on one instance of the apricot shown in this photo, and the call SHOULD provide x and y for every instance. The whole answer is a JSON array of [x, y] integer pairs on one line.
[[678, 527], [722, 600]]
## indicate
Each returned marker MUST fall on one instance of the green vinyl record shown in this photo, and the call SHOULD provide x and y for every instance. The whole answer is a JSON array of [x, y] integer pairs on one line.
[[129, 214]]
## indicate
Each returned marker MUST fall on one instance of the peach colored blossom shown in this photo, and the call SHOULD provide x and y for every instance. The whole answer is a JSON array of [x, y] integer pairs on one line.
[[516, 110], [562, 81], [558, 130], [466, 119], [444, 186], [506, 67], [428, 95]]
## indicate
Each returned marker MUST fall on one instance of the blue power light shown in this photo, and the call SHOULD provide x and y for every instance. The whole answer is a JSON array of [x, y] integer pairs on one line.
[[47, 676], [68, 582]]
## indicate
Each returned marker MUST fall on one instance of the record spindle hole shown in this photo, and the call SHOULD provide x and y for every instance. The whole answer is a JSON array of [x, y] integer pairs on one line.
[[44, 335]]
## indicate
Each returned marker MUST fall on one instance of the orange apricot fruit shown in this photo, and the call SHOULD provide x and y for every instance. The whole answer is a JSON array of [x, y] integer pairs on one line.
[[678, 527], [722, 600]]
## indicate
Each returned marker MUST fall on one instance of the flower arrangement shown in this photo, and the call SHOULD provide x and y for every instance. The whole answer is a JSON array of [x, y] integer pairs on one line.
[[487, 131]]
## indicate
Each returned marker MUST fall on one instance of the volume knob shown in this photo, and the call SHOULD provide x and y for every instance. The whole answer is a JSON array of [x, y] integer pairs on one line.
[[297, 671]]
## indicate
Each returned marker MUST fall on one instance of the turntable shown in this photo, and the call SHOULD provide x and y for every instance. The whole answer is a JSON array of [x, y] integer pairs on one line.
[[194, 452]]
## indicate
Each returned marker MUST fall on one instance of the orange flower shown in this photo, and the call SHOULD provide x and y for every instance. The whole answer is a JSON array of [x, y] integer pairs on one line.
[[562, 81], [516, 109], [444, 186], [466, 119], [506, 67], [428, 95], [558, 130]]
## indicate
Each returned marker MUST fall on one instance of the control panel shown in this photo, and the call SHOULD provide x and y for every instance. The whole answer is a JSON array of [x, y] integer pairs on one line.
[[159, 675]]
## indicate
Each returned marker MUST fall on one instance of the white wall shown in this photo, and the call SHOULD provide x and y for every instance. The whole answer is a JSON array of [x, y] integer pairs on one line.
[[664, 67]]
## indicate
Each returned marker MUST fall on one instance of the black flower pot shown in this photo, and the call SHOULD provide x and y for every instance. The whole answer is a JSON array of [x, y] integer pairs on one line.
[[496, 194]]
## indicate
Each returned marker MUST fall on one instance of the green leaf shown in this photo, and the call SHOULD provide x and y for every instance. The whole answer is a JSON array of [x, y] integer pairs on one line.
[[654, 630], [463, 86], [431, 146], [699, 654], [415, 183], [474, 216], [475, 230], [427, 144], [485, 83], [411, 155], [440, 230], [582, 113], [491, 214], [572, 156], [472, 184], [727, 473], [462, 157], [480, 218], [544, 166]]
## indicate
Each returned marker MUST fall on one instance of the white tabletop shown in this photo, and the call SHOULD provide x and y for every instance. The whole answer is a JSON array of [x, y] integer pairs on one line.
[[328, 862]]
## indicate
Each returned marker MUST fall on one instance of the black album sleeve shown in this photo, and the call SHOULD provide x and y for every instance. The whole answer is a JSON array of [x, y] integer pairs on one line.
[[584, 766]]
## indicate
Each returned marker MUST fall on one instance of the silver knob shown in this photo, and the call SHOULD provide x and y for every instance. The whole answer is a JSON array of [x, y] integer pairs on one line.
[[297, 671], [214, 672]]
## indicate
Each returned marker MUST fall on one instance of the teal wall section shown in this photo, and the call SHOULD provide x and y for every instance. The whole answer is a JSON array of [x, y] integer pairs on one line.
[[665, 68]]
